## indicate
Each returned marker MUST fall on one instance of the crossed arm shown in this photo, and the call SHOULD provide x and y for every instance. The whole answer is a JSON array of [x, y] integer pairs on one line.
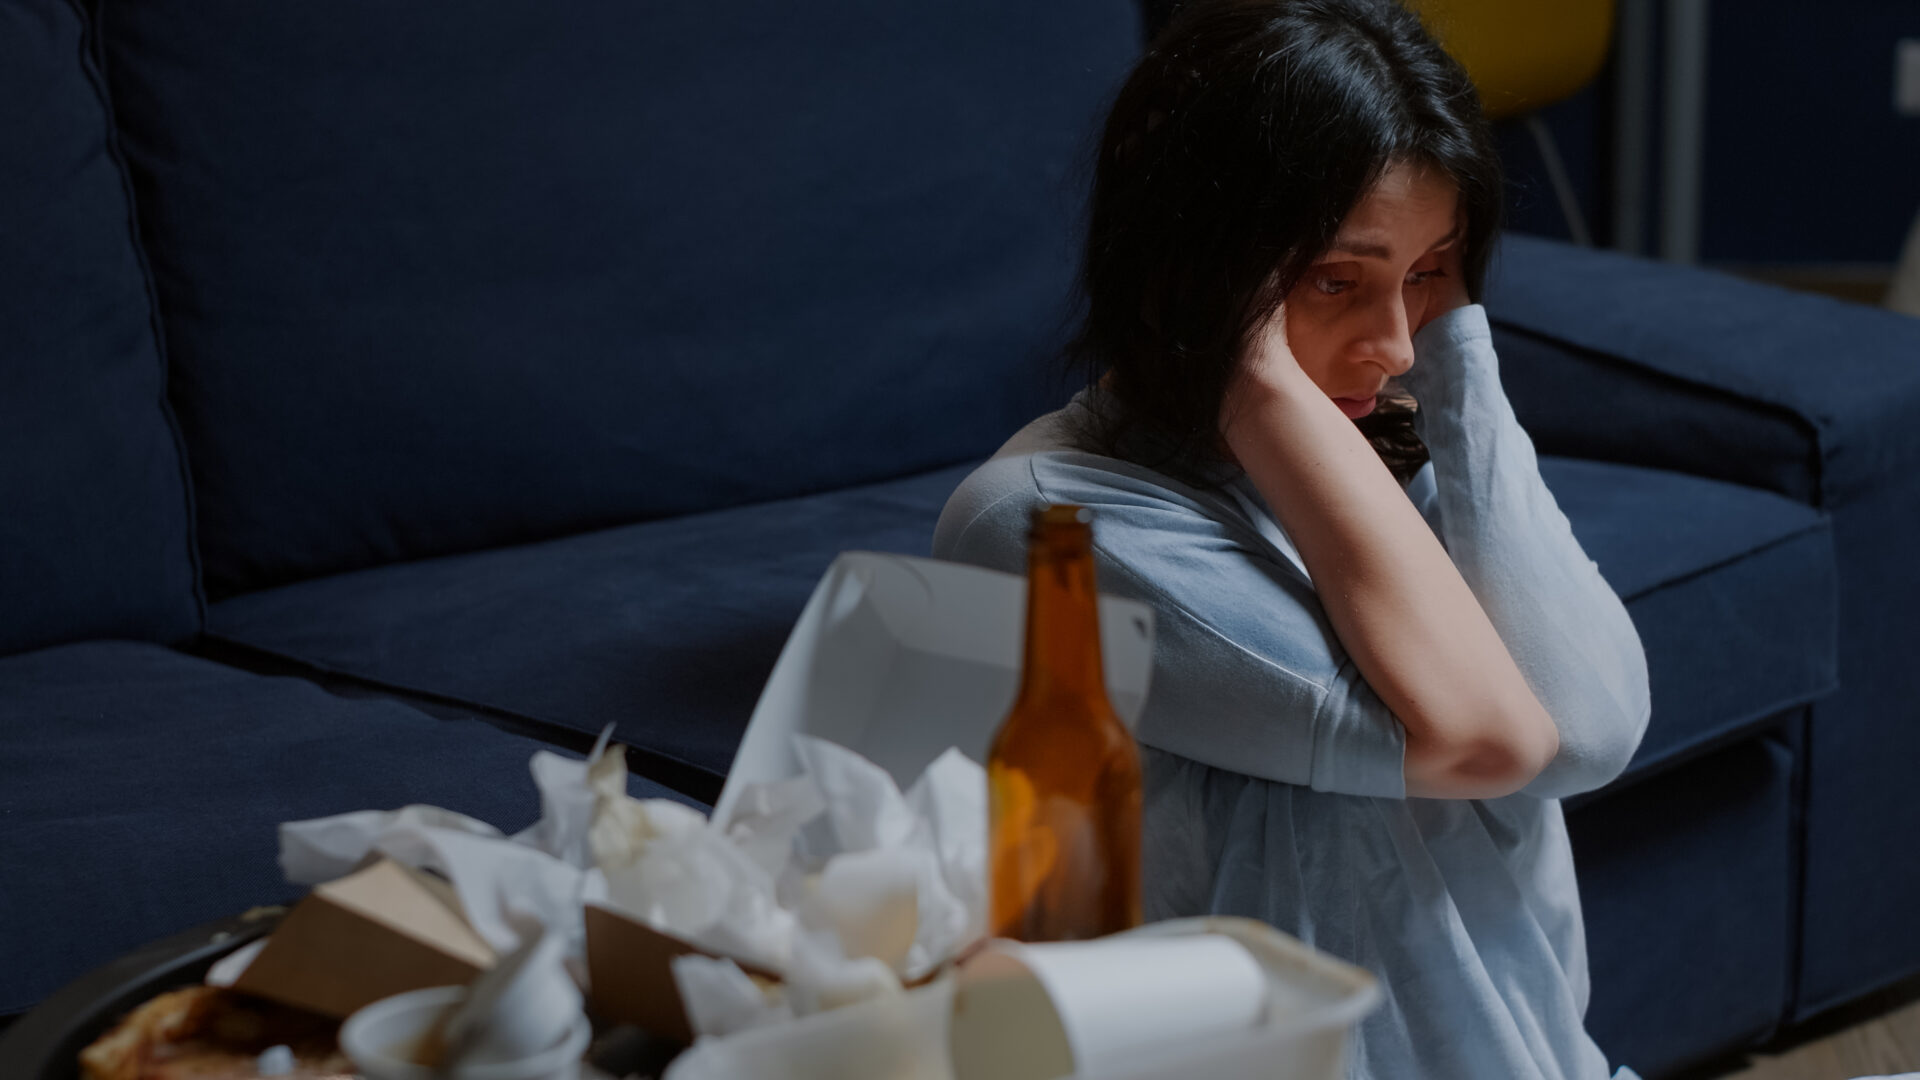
[[1509, 663]]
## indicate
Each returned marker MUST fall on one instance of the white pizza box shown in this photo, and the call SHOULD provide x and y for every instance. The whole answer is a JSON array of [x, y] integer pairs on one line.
[[898, 658]]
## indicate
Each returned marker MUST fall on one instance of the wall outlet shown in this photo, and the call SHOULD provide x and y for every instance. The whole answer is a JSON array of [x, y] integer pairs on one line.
[[1906, 77]]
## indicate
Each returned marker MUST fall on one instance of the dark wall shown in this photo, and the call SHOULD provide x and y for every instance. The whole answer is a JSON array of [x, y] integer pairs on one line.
[[1805, 158]]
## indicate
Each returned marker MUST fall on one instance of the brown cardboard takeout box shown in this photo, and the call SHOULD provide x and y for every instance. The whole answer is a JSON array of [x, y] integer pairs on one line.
[[381, 930], [630, 973]]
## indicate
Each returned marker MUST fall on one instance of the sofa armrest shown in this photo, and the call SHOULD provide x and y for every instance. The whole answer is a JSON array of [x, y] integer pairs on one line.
[[1621, 359]]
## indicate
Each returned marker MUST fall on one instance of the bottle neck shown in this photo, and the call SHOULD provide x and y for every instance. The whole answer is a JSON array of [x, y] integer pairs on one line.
[[1063, 615]]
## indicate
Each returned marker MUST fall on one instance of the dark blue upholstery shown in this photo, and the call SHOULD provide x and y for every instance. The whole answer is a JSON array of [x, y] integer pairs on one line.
[[1731, 590], [1827, 412], [1626, 360], [1688, 883], [95, 533], [685, 298], [445, 275], [143, 789], [1862, 803], [667, 629]]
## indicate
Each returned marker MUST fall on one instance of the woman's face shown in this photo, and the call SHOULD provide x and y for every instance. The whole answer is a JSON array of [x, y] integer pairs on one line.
[[1393, 267]]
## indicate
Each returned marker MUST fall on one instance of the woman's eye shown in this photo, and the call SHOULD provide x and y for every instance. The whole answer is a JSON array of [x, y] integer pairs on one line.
[[1332, 286]]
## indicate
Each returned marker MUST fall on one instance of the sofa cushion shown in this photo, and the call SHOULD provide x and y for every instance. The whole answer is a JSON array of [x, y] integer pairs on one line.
[[143, 788], [669, 629], [1733, 591], [94, 521], [440, 276]]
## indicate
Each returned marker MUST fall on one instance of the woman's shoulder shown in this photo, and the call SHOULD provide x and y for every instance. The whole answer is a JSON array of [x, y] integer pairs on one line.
[[986, 519]]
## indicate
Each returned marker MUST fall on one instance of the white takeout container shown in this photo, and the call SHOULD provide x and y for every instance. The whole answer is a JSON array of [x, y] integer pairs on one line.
[[898, 658], [986, 1023], [381, 1039], [893, 657], [893, 1037], [1314, 1001]]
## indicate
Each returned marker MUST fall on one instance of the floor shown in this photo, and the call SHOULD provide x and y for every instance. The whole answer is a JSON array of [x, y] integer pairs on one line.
[[1881, 1037]]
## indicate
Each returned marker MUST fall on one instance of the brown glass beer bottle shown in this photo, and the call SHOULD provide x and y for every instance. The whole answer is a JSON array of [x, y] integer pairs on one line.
[[1063, 775]]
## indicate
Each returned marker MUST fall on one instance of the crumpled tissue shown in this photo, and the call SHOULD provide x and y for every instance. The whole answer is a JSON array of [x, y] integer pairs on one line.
[[508, 887], [836, 880], [878, 889], [668, 866]]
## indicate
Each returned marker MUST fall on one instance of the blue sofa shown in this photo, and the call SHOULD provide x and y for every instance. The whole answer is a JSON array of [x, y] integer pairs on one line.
[[387, 389]]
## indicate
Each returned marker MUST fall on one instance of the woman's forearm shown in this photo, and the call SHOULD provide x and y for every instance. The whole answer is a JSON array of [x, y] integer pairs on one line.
[[1400, 607], [1564, 626]]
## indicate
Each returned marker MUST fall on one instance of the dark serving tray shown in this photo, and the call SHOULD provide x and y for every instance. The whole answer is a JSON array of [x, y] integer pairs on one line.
[[45, 1044]]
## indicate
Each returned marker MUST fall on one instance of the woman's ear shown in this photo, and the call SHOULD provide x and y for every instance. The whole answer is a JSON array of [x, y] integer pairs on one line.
[[1150, 310]]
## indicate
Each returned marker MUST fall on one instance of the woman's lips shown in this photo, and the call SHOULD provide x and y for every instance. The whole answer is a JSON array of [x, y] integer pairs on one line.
[[1355, 408]]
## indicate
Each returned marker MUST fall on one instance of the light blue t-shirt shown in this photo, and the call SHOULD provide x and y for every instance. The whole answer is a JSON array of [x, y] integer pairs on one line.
[[1275, 775]]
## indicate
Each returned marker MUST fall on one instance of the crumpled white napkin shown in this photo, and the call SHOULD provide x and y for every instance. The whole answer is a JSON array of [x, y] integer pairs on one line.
[[323, 849], [508, 886], [933, 837], [883, 889], [668, 866], [834, 879]]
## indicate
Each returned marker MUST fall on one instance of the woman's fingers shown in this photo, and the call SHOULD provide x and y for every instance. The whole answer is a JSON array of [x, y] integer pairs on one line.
[[1270, 358]]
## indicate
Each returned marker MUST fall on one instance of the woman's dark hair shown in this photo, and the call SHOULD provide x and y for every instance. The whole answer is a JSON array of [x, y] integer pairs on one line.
[[1232, 154]]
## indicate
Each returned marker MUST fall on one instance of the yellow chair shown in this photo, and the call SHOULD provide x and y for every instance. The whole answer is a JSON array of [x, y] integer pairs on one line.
[[1522, 56]]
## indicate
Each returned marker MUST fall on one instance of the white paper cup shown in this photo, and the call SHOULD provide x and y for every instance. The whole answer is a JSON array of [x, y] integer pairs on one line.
[[1121, 996], [381, 1038], [519, 1006]]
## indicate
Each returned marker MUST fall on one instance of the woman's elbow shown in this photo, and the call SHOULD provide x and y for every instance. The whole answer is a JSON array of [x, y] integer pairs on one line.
[[1511, 761], [1596, 758], [1489, 764]]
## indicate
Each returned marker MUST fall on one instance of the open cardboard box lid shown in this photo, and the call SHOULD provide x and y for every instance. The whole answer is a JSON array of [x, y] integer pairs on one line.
[[896, 658], [899, 658]]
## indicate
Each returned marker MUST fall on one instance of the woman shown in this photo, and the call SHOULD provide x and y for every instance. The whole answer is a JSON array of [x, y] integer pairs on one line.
[[1382, 656]]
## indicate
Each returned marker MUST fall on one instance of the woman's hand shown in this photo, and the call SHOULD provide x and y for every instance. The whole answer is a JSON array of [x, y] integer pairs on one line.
[[1270, 362], [1270, 369], [1448, 291]]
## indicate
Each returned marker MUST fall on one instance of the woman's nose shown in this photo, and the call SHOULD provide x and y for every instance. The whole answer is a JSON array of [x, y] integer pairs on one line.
[[1388, 340]]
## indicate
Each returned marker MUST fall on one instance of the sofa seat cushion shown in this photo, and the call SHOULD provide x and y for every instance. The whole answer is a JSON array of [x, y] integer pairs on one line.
[[666, 629], [143, 788], [669, 629], [1732, 589]]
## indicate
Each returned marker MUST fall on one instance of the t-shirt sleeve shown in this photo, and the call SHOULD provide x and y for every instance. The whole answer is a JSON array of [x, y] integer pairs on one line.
[[1248, 674], [1482, 494]]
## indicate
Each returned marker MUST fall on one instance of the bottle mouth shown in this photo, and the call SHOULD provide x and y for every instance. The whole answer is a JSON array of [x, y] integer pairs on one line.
[[1060, 515]]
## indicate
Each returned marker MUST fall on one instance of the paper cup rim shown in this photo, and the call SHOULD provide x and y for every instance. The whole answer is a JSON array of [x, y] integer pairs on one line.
[[376, 1061]]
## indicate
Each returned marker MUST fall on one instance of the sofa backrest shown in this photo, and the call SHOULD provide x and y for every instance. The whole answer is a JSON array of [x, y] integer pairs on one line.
[[452, 274], [95, 523]]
